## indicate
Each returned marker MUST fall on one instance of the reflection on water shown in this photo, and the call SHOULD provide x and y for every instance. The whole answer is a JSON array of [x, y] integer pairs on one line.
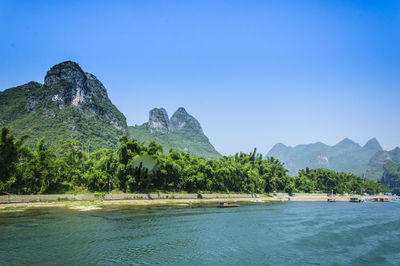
[[264, 234]]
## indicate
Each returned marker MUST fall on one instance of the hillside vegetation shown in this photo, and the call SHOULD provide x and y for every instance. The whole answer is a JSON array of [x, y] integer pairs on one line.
[[70, 104]]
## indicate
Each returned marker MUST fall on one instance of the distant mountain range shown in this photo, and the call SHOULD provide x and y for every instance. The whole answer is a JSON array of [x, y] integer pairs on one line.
[[346, 156], [74, 104], [182, 133]]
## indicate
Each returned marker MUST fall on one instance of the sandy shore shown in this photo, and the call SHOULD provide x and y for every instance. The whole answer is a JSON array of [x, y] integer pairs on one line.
[[98, 204], [317, 197]]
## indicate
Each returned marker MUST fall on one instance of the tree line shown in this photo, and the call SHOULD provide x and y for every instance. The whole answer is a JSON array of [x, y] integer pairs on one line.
[[136, 167]]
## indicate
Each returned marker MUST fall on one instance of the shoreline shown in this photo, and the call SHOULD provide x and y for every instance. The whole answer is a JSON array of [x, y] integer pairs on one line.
[[187, 200], [84, 205]]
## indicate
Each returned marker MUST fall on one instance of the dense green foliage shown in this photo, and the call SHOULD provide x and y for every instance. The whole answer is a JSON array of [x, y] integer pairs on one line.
[[192, 142], [135, 167], [326, 180]]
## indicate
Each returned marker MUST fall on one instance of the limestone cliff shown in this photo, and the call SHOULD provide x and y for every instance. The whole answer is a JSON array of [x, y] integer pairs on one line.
[[158, 121], [181, 133], [70, 104]]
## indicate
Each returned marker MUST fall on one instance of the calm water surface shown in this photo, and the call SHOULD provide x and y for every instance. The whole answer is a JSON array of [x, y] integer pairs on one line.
[[292, 233]]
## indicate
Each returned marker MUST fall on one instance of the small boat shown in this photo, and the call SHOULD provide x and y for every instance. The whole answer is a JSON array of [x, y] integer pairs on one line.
[[355, 200], [227, 205], [381, 199], [331, 197]]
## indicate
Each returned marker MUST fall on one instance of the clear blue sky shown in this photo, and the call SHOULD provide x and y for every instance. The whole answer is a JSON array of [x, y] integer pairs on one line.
[[253, 73]]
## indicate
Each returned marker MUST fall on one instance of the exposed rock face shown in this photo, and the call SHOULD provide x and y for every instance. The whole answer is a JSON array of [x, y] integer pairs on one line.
[[158, 121], [69, 71], [71, 86], [70, 104], [95, 85], [181, 120], [322, 160], [181, 133]]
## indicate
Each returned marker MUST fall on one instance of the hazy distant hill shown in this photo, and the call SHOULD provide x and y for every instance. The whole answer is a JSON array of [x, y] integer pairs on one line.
[[70, 104], [346, 156], [181, 133], [379, 160], [391, 176]]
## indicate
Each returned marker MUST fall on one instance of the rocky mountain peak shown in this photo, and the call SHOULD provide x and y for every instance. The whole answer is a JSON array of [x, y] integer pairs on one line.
[[182, 120], [181, 133], [373, 144], [68, 71], [65, 85], [72, 86], [347, 143], [158, 121], [70, 104], [277, 148]]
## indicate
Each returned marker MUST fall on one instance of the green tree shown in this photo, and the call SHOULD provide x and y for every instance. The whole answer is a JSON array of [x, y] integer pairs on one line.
[[41, 174], [10, 154]]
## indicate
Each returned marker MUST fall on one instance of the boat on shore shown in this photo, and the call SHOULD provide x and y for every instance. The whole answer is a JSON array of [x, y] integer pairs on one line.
[[380, 199], [227, 205], [331, 197], [356, 200]]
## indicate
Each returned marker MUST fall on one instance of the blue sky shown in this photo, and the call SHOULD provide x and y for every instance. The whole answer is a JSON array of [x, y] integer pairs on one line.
[[253, 73]]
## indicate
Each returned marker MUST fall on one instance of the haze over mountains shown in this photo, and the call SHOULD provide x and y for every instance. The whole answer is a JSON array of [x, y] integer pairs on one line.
[[346, 156]]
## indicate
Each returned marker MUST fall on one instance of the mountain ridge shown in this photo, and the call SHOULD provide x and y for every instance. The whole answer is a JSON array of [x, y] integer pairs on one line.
[[182, 132], [345, 156]]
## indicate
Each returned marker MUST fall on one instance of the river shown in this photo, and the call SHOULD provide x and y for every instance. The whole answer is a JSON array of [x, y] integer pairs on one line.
[[287, 233]]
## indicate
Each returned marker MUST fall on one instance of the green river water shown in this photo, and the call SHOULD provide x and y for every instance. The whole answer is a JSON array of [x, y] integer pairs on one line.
[[290, 233]]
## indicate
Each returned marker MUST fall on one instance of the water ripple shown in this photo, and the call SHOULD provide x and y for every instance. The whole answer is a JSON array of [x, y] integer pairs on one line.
[[296, 233]]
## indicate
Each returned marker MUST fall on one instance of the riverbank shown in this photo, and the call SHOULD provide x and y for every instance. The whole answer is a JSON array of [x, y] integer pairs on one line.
[[140, 203], [88, 202]]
